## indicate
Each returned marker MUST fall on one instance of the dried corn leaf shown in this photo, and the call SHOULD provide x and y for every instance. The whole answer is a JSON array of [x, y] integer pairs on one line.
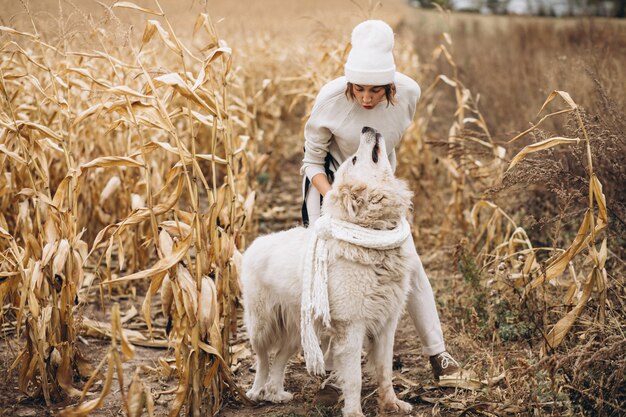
[[62, 253], [86, 113], [140, 215], [176, 228], [46, 131], [17, 32], [189, 292], [135, 399], [101, 329], [85, 73], [564, 95], [4, 234], [181, 390], [556, 267], [207, 306], [155, 25], [596, 188], [111, 187], [167, 295], [560, 329], [162, 264], [156, 282], [88, 407], [175, 81], [130, 5], [112, 161], [540, 146], [64, 372], [11, 154], [125, 91], [166, 244]]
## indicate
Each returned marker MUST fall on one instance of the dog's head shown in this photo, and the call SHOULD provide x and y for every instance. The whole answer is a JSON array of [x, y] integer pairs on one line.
[[365, 191]]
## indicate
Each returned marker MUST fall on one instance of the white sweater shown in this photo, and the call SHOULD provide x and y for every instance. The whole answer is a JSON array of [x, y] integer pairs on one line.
[[336, 122]]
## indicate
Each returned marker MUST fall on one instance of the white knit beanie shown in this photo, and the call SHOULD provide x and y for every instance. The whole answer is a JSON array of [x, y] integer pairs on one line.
[[370, 61]]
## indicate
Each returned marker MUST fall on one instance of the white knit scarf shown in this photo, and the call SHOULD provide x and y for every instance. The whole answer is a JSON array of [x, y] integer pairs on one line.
[[315, 275]]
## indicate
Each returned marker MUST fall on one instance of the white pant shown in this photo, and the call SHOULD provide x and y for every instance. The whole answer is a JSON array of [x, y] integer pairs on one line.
[[421, 301]]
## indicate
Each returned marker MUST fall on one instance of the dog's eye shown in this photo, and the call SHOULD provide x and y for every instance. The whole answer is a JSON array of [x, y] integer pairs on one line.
[[354, 160]]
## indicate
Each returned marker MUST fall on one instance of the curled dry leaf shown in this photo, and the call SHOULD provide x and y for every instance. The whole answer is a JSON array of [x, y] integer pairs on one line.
[[248, 205], [36, 279], [189, 292], [111, 187], [51, 230], [23, 216], [4, 234], [176, 228], [154, 26], [166, 244], [112, 161], [130, 5], [175, 81], [33, 303], [16, 157], [207, 306], [55, 358], [541, 146], [557, 93], [78, 273], [162, 264], [137, 201], [136, 399], [64, 372], [125, 91], [167, 296], [62, 253]]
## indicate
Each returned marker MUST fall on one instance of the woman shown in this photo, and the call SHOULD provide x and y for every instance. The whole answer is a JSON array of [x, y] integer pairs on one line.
[[372, 94]]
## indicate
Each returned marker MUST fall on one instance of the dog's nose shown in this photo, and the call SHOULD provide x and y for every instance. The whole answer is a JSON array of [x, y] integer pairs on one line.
[[367, 129]]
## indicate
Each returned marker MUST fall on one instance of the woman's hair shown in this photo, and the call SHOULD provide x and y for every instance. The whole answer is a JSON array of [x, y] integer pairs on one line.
[[390, 92]]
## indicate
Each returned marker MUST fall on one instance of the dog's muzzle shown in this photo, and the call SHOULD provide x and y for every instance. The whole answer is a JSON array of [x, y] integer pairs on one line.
[[377, 137]]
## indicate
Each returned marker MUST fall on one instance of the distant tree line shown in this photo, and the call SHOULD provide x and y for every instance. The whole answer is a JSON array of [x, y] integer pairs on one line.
[[558, 8]]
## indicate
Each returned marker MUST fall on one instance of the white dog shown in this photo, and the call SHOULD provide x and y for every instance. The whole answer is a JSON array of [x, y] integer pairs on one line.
[[366, 285]]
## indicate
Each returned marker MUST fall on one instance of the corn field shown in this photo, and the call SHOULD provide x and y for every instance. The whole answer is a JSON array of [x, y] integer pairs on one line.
[[137, 165]]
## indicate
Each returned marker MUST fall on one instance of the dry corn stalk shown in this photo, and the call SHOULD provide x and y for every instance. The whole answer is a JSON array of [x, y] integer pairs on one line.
[[108, 146], [473, 161], [508, 246], [114, 365], [586, 237]]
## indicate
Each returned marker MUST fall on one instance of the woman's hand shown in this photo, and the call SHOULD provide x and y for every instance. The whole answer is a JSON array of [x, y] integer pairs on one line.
[[321, 184]]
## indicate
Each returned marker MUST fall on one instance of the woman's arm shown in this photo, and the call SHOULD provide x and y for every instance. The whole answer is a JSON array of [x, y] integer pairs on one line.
[[329, 107], [321, 183], [317, 137]]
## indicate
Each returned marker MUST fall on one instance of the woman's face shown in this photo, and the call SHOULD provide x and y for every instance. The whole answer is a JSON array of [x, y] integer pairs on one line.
[[368, 96]]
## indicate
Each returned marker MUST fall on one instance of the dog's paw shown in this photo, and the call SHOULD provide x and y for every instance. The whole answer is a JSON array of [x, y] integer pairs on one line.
[[404, 406], [255, 395], [396, 406], [278, 396]]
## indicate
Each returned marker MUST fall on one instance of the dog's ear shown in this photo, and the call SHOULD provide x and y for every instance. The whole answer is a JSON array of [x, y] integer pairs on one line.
[[353, 198], [395, 194], [376, 196]]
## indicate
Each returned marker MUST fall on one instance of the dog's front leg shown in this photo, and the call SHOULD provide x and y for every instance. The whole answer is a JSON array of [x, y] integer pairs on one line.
[[347, 352], [381, 355]]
